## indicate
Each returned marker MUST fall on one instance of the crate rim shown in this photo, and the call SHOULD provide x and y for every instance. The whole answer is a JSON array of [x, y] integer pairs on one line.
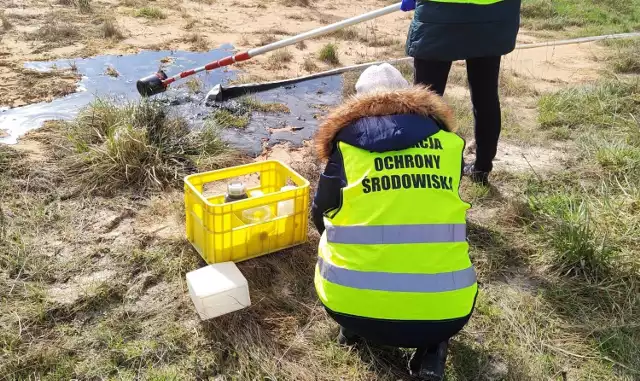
[[206, 201]]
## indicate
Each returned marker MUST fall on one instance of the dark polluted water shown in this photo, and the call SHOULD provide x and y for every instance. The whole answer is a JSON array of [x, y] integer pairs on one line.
[[306, 100]]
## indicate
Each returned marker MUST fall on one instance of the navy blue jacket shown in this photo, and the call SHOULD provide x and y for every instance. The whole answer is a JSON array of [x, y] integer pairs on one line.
[[375, 134], [444, 31]]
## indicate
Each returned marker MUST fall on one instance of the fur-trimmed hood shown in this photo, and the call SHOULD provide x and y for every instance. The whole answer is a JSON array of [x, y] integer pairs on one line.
[[385, 121]]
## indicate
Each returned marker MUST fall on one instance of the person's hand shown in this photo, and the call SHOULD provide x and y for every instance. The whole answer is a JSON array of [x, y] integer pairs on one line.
[[408, 5]]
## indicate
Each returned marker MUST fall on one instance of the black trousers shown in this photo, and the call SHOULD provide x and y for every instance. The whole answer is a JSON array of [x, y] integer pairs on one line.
[[482, 74], [423, 335]]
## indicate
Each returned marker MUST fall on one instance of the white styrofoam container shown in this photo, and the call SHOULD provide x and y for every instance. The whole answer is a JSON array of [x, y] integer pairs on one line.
[[218, 289]]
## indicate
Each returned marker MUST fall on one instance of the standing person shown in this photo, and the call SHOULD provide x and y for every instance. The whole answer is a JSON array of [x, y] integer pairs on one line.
[[480, 32], [393, 263]]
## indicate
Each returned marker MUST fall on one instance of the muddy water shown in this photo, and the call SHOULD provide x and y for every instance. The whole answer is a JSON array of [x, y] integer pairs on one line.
[[306, 100]]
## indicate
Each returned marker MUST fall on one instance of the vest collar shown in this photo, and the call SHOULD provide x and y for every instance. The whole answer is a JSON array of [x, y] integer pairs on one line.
[[416, 100]]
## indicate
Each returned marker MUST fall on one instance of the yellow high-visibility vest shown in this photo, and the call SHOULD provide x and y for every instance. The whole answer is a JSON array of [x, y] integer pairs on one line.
[[396, 247]]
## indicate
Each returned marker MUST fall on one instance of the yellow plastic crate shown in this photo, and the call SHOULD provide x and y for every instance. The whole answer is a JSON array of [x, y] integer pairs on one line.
[[219, 235]]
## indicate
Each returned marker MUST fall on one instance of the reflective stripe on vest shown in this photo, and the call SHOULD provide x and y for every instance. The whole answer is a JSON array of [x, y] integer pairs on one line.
[[397, 282], [397, 234]]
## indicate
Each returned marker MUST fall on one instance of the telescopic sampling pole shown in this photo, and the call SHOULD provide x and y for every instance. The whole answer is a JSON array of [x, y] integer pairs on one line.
[[158, 82]]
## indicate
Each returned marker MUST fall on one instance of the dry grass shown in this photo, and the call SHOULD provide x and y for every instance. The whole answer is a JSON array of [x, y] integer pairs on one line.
[[329, 54], [369, 37], [94, 285], [56, 32], [111, 72], [253, 104], [348, 34], [111, 29], [194, 85], [84, 6], [277, 31], [279, 60], [151, 13], [296, 16], [301, 45], [511, 85], [266, 39], [6, 24], [309, 65], [131, 3], [111, 147], [626, 56], [296, 3], [198, 42]]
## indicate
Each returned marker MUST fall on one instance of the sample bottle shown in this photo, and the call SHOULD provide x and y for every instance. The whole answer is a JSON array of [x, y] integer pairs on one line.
[[285, 208], [235, 191]]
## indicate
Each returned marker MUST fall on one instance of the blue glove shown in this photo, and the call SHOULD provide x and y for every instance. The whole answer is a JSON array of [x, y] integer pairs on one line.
[[408, 5]]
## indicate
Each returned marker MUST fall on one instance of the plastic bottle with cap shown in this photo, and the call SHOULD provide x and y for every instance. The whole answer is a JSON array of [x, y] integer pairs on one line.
[[286, 207], [235, 191]]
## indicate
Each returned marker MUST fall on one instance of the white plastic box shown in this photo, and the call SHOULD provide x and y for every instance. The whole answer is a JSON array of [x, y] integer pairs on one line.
[[218, 289]]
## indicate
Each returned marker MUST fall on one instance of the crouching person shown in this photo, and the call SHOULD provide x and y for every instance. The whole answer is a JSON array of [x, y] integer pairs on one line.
[[393, 265]]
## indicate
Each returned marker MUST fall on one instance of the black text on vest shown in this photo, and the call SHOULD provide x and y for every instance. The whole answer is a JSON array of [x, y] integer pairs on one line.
[[406, 181]]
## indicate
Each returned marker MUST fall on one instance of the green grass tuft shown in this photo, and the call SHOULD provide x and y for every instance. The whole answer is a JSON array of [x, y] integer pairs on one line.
[[253, 104], [151, 13], [226, 119], [329, 54], [582, 18], [626, 58], [194, 85], [138, 145], [602, 105]]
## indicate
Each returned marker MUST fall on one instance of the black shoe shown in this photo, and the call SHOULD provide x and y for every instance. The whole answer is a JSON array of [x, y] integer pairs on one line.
[[429, 365], [478, 177], [347, 338]]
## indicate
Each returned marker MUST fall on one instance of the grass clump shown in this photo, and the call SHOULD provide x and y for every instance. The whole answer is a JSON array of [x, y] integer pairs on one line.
[[111, 72], [603, 105], [567, 220], [581, 18], [111, 29], [151, 13], [589, 218], [329, 54], [111, 147], [84, 6], [56, 32], [6, 24], [267, 39], [626, 58], [348, 34], [309, 65], [279, 60], [297, 3], [194, 85], [197, 41], [254, 104], [227, 119]]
